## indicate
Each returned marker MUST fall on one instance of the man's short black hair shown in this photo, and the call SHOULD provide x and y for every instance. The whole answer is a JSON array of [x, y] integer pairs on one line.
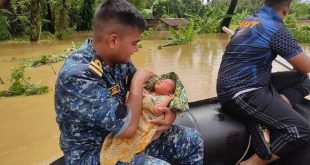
[[278, 4], [120, 11]]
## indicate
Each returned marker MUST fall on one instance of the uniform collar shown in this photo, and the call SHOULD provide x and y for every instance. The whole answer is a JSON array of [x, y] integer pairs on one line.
[[268, 12]]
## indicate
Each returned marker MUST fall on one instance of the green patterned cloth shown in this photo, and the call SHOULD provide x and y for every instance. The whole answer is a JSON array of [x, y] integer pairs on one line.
[[180, 102]]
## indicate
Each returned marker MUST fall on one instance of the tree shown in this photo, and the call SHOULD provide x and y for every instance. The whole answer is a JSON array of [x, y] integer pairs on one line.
[[149, 4], [35, 20], [60, 10], [4, 32], [252, 6], [178, 8], [168, 8], [139, 4], [193, 7], [50, 20], [18, 17], [301, 10], [74, 12], [2, 2], [86, 15]]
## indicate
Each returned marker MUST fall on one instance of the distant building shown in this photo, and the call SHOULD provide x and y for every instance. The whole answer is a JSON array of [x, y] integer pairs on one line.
[[165, 23]]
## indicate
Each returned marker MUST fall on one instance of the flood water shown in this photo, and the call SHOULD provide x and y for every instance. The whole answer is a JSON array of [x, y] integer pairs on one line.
[[29, 133]]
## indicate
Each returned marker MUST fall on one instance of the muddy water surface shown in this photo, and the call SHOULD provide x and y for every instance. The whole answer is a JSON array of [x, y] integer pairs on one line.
[[29, 133]]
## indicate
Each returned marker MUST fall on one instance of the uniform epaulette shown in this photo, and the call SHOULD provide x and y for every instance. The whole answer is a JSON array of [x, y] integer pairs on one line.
[[95, 67]]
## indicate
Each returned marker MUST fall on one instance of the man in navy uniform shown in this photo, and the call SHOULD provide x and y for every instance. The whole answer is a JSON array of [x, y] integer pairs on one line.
[[91, 98]]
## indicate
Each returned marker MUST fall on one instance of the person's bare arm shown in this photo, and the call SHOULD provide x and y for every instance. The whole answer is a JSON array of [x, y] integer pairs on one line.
[[301, 63], [134, 101]]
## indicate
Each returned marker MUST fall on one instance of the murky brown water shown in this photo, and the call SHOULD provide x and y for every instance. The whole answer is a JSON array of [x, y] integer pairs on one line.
[[29, 133]]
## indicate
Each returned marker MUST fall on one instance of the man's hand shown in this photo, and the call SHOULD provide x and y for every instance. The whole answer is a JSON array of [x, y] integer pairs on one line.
[[143, 75], [165, 122], [134, 100]]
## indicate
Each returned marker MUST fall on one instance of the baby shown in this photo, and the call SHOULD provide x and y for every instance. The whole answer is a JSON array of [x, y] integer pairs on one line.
[[121, 149]]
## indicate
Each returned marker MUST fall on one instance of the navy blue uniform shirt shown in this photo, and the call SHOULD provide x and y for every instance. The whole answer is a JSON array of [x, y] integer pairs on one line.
[[87, 109]]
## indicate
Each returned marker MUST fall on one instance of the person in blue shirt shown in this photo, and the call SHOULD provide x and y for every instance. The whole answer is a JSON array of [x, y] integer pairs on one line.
[[247, 88], [99, 92]]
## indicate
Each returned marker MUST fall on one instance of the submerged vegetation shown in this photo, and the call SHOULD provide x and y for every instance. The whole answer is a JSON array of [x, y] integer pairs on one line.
[[22, 85], [184, 35], [300, 32], [49, 59]]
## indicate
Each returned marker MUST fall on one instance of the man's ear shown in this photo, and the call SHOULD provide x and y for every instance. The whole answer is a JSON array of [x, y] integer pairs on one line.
[[286, 11], [261, 3], [112, 40]]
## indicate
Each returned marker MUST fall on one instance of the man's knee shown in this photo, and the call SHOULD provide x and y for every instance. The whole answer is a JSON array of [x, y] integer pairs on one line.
[[195, 137], [192, 148], [191, 139]]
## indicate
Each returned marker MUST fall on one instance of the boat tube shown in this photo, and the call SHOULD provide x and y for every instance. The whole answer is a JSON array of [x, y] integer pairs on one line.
[[226, 139]]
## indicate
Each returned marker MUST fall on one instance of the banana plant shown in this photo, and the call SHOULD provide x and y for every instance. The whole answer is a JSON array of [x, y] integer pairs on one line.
[[209, 22], [184, 35]]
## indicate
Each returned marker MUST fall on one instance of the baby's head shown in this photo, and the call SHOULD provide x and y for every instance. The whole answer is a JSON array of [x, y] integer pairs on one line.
[[164, 87]]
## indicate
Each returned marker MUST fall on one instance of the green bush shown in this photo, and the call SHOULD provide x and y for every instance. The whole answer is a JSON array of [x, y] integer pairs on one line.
[[238, 17], [4, 31], [301, 33], [291, 21]]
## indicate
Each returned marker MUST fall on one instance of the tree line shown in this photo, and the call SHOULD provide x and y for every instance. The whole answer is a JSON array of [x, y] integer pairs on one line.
[[30, 19]]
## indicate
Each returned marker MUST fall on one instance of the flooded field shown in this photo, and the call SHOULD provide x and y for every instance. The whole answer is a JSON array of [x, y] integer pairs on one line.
[[29, 133]]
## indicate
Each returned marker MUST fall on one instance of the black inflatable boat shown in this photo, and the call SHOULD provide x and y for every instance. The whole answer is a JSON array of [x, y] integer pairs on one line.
[[226, 139]]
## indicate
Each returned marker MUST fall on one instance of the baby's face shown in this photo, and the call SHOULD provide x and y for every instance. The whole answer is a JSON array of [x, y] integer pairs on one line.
[[164, 87]]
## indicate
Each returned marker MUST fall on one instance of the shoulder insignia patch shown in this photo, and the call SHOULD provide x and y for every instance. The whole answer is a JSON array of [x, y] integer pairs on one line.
[[95, 67]]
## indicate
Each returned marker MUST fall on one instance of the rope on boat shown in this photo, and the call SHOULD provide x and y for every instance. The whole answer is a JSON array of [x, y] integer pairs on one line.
[[246, 151], [193, 120]]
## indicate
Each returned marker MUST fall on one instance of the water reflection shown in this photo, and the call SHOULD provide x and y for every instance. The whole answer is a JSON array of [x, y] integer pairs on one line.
[[29, 131], [196, 63]]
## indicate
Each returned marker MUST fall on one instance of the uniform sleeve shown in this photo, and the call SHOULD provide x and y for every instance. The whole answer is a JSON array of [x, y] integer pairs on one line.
[[131, 71], [92, 103], [284, 44]]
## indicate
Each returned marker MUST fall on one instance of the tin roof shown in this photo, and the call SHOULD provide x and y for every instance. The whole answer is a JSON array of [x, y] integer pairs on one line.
[[174, 21]]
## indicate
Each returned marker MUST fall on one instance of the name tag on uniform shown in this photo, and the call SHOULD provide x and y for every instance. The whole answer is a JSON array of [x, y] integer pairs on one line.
[[115, 89]]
